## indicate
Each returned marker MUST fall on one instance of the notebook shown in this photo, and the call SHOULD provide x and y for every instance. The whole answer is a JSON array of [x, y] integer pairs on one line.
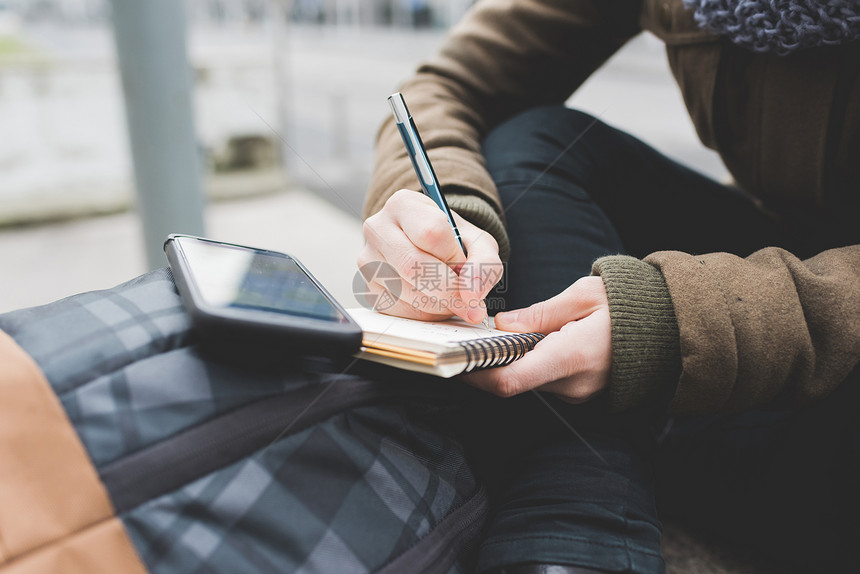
[[445, 348]]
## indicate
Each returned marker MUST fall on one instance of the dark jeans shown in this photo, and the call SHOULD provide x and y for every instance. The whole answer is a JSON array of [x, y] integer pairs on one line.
[[778, 483]]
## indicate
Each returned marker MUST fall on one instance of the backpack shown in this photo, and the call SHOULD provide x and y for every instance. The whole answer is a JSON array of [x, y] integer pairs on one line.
[[126, 447]]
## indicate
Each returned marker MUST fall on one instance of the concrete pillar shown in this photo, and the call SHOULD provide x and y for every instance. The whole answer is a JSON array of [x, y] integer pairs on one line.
[[157, 83], [279, 11]]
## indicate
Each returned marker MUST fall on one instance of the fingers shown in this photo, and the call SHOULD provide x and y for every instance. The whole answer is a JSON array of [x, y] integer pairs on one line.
[[414, 236], [424, 283], [573, 363], [422, 273], [577, 301], [482, 269], [425, 225], [382, 299], [521, 376]]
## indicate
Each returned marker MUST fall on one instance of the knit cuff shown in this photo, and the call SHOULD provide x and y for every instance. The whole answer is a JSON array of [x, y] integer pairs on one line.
[[480, 213], [646, 347]]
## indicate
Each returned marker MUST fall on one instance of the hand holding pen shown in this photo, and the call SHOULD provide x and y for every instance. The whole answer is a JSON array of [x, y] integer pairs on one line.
[[446, 265]]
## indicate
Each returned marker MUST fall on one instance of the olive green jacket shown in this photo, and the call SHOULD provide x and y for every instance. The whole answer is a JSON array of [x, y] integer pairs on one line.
[[740, 331]]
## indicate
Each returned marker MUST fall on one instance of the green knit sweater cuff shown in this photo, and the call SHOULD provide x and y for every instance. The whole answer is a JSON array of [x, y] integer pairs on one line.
[[646, 354], [480, 213]]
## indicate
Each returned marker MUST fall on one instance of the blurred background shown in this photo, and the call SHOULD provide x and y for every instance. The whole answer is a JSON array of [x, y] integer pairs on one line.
[[283, 102]]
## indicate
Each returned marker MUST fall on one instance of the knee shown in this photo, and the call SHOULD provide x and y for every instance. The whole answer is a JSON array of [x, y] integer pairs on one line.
[[528, 143]]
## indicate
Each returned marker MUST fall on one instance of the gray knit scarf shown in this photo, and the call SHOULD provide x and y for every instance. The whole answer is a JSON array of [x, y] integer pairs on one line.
[[780, 26]]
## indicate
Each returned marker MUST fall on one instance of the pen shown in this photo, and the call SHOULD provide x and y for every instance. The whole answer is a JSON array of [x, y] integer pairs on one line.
[[421, 162]]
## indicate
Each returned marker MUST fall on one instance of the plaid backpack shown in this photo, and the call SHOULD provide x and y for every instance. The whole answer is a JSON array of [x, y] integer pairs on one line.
[[125, 448]]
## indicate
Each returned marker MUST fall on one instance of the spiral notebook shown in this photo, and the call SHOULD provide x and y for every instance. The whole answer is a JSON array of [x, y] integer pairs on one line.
[[445, 348]]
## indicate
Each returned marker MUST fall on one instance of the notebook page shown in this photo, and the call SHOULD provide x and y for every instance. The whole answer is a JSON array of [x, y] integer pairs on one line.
[[454, 329]]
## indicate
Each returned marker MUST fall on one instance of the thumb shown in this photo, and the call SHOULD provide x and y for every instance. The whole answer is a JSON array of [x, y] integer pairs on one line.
[[574, 303], [544, 317]]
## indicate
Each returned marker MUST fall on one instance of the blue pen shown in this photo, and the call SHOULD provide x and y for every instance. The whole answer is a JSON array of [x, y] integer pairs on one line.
[[421, 163], [420, 160]]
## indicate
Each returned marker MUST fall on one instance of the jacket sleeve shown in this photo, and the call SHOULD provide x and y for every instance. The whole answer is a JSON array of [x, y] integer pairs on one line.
[[749, 329], [505, 56]]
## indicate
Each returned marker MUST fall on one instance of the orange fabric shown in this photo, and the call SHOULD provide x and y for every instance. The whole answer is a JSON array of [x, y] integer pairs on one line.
[[103, 548], [56, 515]]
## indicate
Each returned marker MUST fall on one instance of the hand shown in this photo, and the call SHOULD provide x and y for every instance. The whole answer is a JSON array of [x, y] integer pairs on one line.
[[412, 235], [573, 360]]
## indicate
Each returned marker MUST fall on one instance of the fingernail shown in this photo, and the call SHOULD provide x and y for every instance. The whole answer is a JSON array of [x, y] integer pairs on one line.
[[508, 316], [476, 315]]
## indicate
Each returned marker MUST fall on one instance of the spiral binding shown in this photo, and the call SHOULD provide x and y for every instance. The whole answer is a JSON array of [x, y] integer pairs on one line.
[[498, 351]]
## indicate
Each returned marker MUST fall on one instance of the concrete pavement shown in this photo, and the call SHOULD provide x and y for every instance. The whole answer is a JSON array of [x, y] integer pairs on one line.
[[43, 263]]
